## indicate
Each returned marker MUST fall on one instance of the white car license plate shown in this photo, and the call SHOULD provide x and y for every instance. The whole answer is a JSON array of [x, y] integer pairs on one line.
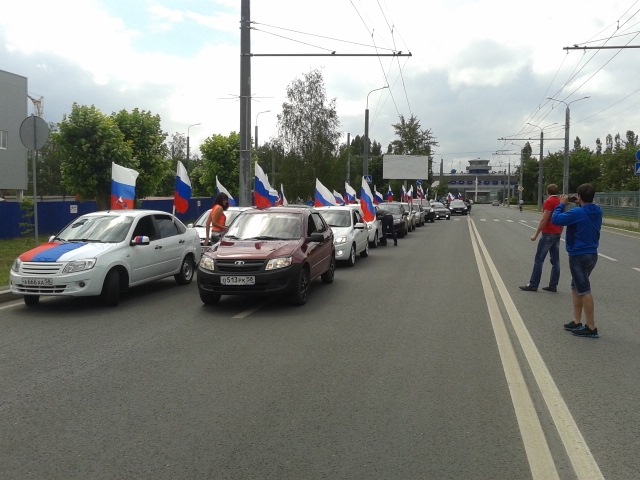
[[238, 280], [37, 282]]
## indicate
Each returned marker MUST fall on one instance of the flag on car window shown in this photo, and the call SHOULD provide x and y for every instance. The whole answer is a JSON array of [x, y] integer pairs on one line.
[[123, 187], [377, 196], [366, 202], [261, 189], [182, 195], [350, 194], [390, 195], [221, 189], [338, 197], [323, 197]]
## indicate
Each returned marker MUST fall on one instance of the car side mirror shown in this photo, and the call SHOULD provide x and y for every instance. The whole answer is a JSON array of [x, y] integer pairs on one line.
[[360, 226], [140, 240], [316, 237], [189, 225]]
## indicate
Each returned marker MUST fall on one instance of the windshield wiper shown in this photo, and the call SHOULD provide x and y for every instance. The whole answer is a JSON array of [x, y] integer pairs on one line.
[[263, 237]]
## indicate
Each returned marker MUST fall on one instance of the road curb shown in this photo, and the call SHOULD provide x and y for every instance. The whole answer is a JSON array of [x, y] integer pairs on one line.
[[7, 296]]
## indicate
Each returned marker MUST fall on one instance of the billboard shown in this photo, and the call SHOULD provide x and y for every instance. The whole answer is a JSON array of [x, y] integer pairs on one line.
[[405, 167]]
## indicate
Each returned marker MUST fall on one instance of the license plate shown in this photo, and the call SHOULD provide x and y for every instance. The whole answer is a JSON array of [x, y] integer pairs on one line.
[[37, 282], [238, 280]]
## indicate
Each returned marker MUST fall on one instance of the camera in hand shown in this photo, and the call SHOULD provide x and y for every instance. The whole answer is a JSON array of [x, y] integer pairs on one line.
[[573, 198]]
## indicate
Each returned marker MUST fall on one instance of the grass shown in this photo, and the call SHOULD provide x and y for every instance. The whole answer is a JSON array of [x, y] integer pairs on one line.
[[10, 249]]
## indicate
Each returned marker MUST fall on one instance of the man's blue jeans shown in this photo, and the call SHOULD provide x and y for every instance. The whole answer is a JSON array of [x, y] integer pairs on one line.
[[548, 243]]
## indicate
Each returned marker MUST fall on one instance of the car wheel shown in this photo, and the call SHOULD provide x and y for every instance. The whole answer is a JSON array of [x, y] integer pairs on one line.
[[31, 300], [374, 244], [301, 294], [448, 217], [111, 289], [365, 253], [209, 298], [327, 277], [351, 261], [185, 275]]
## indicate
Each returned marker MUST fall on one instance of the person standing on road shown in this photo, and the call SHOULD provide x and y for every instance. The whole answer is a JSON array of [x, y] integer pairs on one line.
[[388, 228], [582, 238], [549, 243], [217, 219]]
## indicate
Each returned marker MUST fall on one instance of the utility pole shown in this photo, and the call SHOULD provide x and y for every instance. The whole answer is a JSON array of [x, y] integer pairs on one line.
[[348, 158]]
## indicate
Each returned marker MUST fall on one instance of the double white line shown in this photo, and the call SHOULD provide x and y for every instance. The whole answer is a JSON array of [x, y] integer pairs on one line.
[[536, 447]]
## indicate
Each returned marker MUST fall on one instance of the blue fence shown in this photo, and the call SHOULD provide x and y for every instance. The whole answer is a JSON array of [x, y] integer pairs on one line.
[[54, 215]]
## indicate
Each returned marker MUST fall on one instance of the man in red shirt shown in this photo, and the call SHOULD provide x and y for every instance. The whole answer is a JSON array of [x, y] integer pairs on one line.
[[549, 243]]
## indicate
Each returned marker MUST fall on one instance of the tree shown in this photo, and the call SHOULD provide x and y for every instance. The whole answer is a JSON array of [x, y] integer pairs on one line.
[[413, 141], [89, 141], [219, 158]]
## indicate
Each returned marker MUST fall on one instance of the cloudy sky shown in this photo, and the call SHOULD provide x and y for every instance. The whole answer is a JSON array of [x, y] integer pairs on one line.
[[479, 70]]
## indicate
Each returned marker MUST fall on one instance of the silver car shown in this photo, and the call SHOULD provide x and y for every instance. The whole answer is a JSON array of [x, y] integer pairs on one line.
[[350, 234]]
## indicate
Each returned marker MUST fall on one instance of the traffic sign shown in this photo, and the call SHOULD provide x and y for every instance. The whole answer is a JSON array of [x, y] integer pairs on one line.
[[419, 183], [368, 178], [34, 132], [637, 174], [638, 155], [521, 189]]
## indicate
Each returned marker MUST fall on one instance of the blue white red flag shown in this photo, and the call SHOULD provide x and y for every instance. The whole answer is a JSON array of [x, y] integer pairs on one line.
[[350, 194], [261, 189], [410, 194], [366, 202], [182, 195], [338, 197], [221, 189], [323, 197], [390, 195], [283, 199], [377, 196], [419, 192], [403, 194], [123, 187]]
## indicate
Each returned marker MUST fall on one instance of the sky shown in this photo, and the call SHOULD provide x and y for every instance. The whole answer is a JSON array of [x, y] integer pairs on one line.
[[480, 71]]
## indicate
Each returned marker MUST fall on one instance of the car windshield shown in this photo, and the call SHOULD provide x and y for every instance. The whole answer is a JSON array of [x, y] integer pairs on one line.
[[202, 219], [266, 226], [107, 229], [457, 203], [337, 218], [437, 205], [393, 208]]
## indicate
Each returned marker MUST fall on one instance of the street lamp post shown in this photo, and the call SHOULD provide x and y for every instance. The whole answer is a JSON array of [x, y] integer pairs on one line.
[[192, 125], [256, 127], [540, 161], [365, 156], [565, 170]]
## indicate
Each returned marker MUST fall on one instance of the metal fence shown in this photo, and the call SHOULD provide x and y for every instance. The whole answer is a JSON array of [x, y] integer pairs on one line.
[[619, 204]]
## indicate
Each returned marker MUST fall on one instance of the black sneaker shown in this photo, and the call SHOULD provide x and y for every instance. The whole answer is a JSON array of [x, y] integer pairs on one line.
[[550, 289], [528, 288], [585, 331], [571, 326]]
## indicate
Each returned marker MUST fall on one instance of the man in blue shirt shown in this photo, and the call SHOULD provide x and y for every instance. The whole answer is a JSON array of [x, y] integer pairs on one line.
[[582, 238]]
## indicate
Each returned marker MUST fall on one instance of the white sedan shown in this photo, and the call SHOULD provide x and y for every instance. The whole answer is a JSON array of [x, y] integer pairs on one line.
[[105, 253], [350, 234]]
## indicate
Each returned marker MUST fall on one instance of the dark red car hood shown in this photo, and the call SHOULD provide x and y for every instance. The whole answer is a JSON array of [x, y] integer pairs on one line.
[[257, 249]]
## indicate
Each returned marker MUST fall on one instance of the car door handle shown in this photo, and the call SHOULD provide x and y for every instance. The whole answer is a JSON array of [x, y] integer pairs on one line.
[[181, 241], [158, 247]]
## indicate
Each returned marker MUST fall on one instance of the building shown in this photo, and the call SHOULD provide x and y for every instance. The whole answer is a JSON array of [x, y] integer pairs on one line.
[[13, 154], [480, 183]]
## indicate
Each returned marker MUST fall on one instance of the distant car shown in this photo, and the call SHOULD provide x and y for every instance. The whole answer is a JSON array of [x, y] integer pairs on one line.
[[457, 207], [440, 211], [419, 214], [106, 253], [201, 223], [350, 234], [277, 250], [496, 203], [400, 217]]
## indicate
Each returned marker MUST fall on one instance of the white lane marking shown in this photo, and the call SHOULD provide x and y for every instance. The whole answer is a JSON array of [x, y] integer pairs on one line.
[[536, 447], [608, 258], [636, 269], [509, 220], [496, 219], [11, 305], [250, 311], [584, 465], [483, 219]]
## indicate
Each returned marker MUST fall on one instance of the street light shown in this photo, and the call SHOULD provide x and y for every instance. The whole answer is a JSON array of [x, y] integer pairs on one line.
[[565, 171], [189, 127], [257, 115], [540, 161], [365, 156]]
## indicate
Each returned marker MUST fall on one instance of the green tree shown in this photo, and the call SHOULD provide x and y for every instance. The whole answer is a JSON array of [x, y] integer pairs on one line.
[[413, 140], [219, 158], [89, 141]]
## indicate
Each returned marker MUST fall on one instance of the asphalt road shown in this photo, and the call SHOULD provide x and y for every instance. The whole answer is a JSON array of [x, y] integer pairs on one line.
[[424, 361]]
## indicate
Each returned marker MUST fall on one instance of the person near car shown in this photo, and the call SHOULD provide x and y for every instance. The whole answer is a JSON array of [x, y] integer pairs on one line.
[[216, 222], [582, 237], [549, 243], [386, 218]]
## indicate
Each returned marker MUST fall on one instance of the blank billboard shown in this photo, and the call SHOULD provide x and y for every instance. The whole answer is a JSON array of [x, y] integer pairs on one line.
[[405, 167]]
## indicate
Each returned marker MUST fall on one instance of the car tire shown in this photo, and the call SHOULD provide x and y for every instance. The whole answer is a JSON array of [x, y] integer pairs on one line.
[[448, 217], [209, 298], [185, 275], [374, 244], [351, 261], [301, 293], [327, 277], [31, 300], [365, 253], [111, 289]]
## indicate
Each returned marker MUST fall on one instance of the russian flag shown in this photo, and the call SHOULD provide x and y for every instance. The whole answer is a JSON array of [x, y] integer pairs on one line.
[[182, 194], [261, 189], [350, 194], [221, 189], [377, 196], [403, 194], [389, 195], [420, 192], [338, 197], [366, 202], [283, 199], [123, 187], [410, 194], [323, 197]]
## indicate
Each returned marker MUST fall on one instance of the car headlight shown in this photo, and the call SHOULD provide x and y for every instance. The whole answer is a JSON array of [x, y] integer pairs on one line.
[[369, 226], [16, 265], [340, 240], [207, 263], [276, 263], [79, 265]]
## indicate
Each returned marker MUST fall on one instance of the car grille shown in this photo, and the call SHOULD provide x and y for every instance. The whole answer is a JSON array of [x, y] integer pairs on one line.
[[41, 268], [239, 266], [39, 290]]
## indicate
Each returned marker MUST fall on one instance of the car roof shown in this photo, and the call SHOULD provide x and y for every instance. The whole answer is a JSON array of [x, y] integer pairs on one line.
[[134, 212], [336, 207]]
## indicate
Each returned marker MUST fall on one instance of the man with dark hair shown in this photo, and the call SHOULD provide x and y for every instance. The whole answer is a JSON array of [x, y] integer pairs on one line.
[[549, 243], [582, 238], [386, 218]]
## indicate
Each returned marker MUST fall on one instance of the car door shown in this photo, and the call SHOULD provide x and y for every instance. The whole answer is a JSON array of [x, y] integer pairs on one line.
[[361, 234], [319, 254], [143, 258], [169, 246]]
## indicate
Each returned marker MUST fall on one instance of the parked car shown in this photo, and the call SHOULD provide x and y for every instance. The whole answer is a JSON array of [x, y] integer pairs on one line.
[[496, 203], [201, 223], [350, 234], [106, 253], [278, 250], [457, 207], [440, 211], [400, 217], [374, 228], [410, 217]]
